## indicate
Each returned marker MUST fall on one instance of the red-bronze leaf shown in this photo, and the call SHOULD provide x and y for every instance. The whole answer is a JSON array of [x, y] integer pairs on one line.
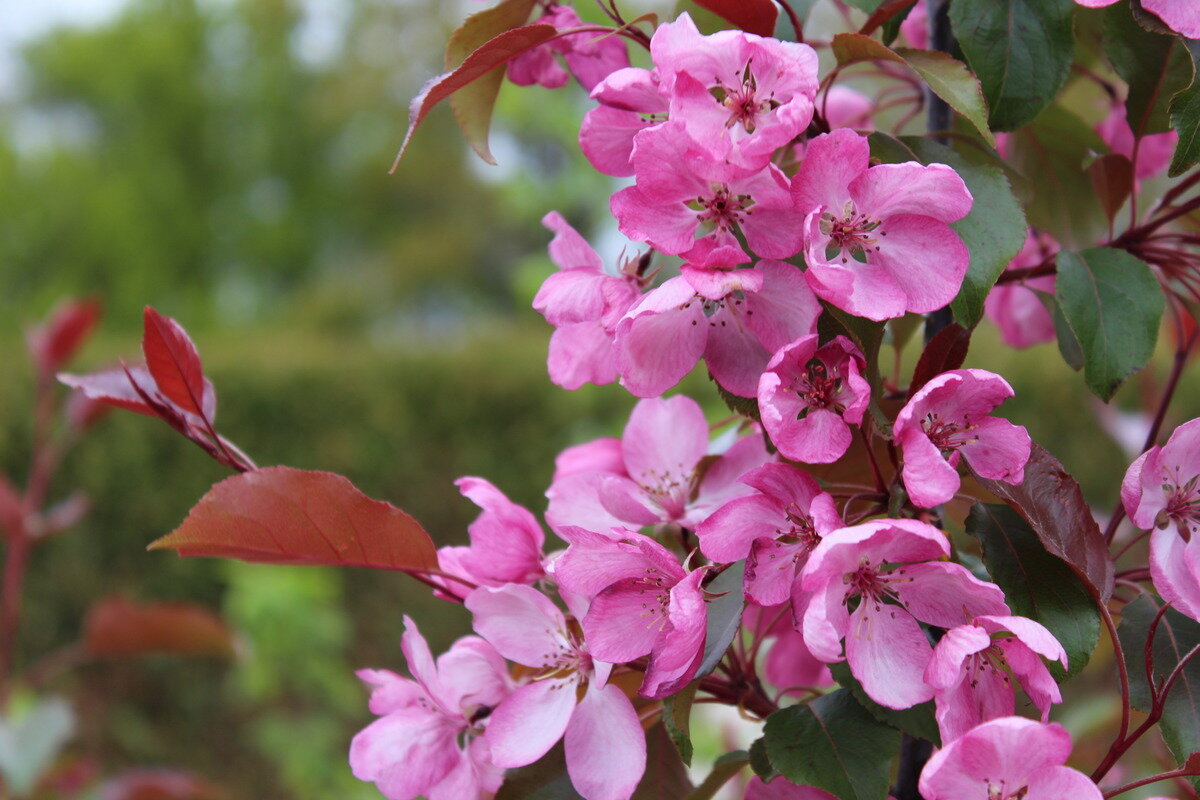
[[173, 362], [55, 342], [752, 16], [280, 515], [495, 51], [116, 627], [1052, 502], [946, 351], [885, 12], [113, 387]]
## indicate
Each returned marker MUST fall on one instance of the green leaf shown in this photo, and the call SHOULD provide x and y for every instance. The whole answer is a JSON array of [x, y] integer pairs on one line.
[[1051, 153], [1185, 118], [1175, 636], [1020, 49], [1037, 584], [918, 721], [1156, 68], [724, 616], [994, 231], [677, 718], [834, 744], [30, 741], [760, 762], [1113, 304], [723, 769], [1068, 345]]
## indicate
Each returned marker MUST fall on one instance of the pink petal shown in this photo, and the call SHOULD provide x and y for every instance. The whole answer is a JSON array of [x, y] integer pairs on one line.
[[506, 539], [785, 309], [946, 667], [678, 651], [581, 353], [521, 623], [664, 440], [928, 477], [1001, 450], [575, 500], [624, 621], [831, 162], [606, 139], [661, 338], [945, 594], [404, 753], [888, 652], [629, 502], [727, 534], [925, 258], [530, 720], [1175, 570], [1180, 16], [606, 746], [568, 249], [598, 455], [935, 191]]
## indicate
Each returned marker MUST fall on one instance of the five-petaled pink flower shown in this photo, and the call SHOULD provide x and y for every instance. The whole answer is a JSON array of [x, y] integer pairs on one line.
[[1016, 308], [947, 419], [604, 743], [1010, 758], [877, 239]]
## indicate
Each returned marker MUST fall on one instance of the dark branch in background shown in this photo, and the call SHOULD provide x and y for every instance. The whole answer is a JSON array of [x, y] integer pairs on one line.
[[797, 27], [938, 118]]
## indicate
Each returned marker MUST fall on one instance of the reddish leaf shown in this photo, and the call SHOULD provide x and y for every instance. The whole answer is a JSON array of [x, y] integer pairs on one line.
[[1112, 178], [752, 16], [160, 784], [885, 12], [281, 515], [946, 351], [53, 343], [1052, 502], [173, 362], [118, 628], [495, 51], [113, 387]]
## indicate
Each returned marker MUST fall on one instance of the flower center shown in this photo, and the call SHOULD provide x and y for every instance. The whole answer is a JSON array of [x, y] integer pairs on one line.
[[1183, 504], [818, 387], [742, 100], [947, 435], [852, 235], [723, 209], [798, 529], [1000, 793]]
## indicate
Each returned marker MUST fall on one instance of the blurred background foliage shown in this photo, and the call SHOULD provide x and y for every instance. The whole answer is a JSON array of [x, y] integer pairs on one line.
[[227, 163]]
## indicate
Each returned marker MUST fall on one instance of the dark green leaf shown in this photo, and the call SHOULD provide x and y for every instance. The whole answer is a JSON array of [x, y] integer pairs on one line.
[[1020, 49], [677, 717], [918, 721], [725, 768], [724, 616], [1068, 345], [746, 406], [760, 762], [1155, 67], [1185, 118], [1113, 304], [1175, 636], [1036, 584], [994, 230], [834, 744], [1051, 152]]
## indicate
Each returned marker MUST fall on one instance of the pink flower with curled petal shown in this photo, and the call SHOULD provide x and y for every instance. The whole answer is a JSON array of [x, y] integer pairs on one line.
[[734, 320], [642, 603], [1161, 493], [1010, 758], [947, 420], [429, 738], [893, 570], [1181, 16], [666, 475], [689, 204], [809, 396], [1016, 308], [604, 742], [506, 543], [584, 304], [877, 239], [774, 529], [590, 56], [1153, 152], [971, 667]]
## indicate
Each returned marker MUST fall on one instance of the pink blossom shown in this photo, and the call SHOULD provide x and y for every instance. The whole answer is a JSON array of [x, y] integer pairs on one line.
[[589, 56], [877, 242], [789, 665], [915, 27], [947, 420], [809, 396], [774, 529], [689, 204], [1161, 493], [630, 101], [844, 107], [780, 788], [894, 569], [1181, 16], [428, 740], [1153, 153], [1006, 759], [642, 603], [604, 742], [970, 671], [1018, 312], [733, 319], [663, 450], [583, 303], [506, 543]]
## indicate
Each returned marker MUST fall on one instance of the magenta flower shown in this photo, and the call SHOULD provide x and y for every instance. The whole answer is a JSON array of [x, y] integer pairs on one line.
[[630, 101], [1154, 152], [774, 529], [428, 738], [809, 396], [947, 420], [1161, 493], [877, 242], [642, 603], [665, 475], [604, 742], [1006, 759], [892, 569], [689, 204], [844, 107], [735, 320], [780, 788], [1181, 16], [971, 666], [590, 57], [506, 543], [1018, 312], [584, 304]]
